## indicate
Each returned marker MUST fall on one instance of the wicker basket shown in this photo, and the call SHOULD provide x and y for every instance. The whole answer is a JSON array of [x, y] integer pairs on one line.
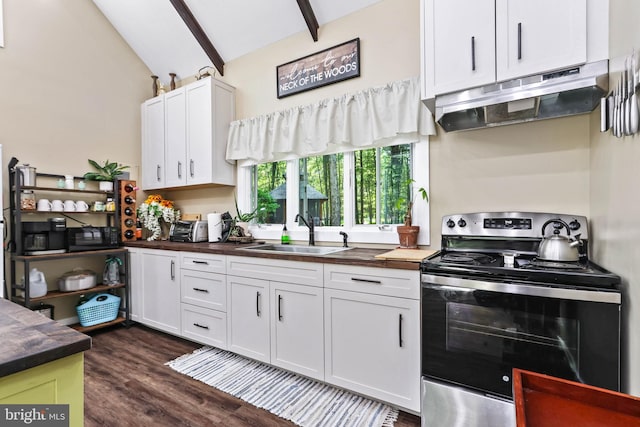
[[100, 308]]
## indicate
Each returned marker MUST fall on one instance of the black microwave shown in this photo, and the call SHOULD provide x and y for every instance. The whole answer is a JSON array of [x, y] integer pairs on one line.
[[92, 238]]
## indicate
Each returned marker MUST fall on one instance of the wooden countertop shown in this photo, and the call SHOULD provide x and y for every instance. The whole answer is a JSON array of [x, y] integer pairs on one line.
[[356, 256], [29, 339]]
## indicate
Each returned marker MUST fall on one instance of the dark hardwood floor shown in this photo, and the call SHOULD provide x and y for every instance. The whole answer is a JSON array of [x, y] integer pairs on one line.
[[127, 384]]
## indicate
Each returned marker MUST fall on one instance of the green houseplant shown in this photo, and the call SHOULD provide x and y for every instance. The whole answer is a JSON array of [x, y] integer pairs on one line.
[[408, 233], [240, 226], [105, 174]]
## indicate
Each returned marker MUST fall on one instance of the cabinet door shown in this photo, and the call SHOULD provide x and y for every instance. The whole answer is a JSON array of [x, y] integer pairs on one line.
[[135, 284], [210, 109], [297, 329], [175, 138], [161, 290], [459, 45], [372, 346], [153, 143], [248, 317], [539, 36]]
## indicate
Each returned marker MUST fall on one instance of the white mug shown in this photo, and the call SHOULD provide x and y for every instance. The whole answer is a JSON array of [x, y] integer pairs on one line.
[[69, 206], [57, 206], [44, 205], [82, 206]]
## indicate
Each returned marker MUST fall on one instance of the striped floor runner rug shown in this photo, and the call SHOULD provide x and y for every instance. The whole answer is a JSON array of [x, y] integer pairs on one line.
[[301, 400]]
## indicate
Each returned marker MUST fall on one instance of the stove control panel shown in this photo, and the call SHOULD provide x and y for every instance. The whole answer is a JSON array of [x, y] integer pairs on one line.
[[510, 224]]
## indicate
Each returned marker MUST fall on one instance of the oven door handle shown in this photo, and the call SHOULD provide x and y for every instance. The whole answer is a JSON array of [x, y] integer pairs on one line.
[[433, 281]]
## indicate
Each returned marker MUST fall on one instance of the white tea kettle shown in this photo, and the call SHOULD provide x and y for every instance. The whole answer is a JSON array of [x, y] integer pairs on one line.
[[558, 247], [37, 283]]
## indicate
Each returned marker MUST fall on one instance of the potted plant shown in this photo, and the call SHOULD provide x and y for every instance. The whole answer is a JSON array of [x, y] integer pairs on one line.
[[239, 227], [105, 174], [408, 233]]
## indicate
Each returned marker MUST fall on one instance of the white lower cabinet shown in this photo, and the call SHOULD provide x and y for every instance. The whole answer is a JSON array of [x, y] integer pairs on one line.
[[280, 318], [354, 327], [160, 290], [372, 340], [203, 293], [249, 315], [297, 329]]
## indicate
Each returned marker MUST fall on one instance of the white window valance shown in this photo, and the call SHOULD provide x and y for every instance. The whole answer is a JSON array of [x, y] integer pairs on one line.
[[375, 117]]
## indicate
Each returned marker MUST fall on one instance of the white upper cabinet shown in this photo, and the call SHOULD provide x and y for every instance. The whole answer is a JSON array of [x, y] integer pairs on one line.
[[184, 136], [470, 43], [538, 36], [460, 44], [153, 143], [210, 109], [175, 116]]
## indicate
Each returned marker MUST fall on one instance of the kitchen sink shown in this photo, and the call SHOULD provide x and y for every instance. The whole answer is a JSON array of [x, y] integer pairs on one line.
[[295, 249]]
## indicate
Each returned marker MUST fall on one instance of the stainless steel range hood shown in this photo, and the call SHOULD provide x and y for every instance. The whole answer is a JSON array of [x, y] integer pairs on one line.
[[567, 92]]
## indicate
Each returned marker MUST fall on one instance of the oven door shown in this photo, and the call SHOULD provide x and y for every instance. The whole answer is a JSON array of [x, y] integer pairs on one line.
[[474, 333]]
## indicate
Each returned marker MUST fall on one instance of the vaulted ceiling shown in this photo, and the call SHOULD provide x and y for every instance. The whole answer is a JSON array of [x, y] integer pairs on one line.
[[182, 36]]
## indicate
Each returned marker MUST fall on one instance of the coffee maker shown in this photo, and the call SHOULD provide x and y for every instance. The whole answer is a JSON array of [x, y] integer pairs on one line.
[[44, 237]]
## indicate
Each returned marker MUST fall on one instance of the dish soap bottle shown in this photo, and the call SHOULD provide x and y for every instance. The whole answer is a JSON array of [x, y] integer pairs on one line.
[[284, 239]]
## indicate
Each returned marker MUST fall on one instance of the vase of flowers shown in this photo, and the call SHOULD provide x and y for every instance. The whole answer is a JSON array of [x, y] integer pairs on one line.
[[156, 214]]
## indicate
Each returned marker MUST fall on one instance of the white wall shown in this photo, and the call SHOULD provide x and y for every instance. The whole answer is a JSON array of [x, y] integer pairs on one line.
[[70, 90], [540, 166], [614, 194]]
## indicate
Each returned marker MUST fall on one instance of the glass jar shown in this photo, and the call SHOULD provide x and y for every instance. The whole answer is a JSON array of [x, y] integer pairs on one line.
[[27, 200], [110, 206]]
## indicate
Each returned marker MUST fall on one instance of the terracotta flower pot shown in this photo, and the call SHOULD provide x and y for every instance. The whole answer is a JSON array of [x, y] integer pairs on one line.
[[408, 236]]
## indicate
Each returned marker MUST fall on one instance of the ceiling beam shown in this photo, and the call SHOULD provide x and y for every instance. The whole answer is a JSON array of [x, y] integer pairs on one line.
[[309, 17], [197, 31]]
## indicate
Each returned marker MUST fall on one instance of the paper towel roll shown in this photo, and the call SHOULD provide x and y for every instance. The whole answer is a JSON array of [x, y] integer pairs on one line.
[[215, 227]]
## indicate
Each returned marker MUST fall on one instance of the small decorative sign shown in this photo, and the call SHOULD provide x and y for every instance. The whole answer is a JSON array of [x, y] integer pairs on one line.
[[322, 68]]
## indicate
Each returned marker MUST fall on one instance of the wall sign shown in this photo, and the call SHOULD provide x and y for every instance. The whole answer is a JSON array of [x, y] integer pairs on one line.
[[322, 68]]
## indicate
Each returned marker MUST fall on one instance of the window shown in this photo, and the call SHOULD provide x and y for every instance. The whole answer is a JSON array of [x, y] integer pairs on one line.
[[362, 193], [381, 184]]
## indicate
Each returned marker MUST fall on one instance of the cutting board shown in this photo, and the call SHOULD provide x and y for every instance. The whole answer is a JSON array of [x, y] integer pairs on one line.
[[414, 255]]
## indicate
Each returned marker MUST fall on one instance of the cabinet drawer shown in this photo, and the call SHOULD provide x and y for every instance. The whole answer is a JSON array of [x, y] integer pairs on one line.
[[373, 280], [203, 262], [208, 290], [204, 326], [299, 272]]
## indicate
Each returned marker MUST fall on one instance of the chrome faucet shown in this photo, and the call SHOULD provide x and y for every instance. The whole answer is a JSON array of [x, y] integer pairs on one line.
[[312, 238]]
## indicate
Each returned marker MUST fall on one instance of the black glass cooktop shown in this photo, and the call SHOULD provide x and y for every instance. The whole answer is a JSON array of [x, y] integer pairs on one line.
[[492, 266]]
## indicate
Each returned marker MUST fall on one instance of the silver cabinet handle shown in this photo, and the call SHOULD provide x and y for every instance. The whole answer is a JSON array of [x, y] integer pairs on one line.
[[258, 304], [173, 270], [179, 169], [191, 167], [200, 326], [280, 308], [357, 279], [206, 291], [473, 53], [158, 172], [519, 40], [400, 343]]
